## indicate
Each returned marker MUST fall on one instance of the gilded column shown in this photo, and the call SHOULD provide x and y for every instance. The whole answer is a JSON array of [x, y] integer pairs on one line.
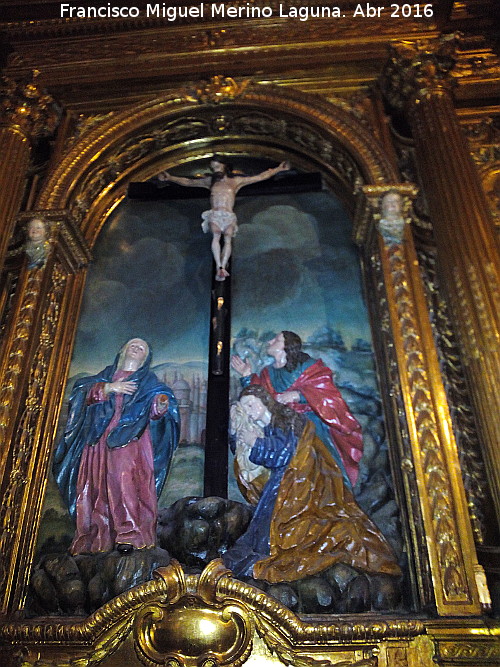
[[26, 114], [418, 79], [34, 365], [432, 457]]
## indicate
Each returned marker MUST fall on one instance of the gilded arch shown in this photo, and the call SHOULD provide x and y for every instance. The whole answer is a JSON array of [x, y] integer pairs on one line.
[[137, 143]]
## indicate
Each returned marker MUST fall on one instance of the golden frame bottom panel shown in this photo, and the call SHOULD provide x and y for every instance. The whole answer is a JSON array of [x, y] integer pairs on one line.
[[213, 620]]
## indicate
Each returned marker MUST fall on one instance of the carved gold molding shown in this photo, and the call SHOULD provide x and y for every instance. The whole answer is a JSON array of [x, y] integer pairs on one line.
[[141, 139], [417, 69], [452, 365], [29, 368], [89, 180], [92, 176], [25, 435], [218, 89], [441, 495], [213, 620], [26, 105], [206, 620], [193, 628]]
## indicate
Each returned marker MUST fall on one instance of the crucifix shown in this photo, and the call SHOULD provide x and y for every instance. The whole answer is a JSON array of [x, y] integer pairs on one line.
[[221, 221]]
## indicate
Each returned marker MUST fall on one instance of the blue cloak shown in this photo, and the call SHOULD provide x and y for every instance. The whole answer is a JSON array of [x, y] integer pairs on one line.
[[87, 423]]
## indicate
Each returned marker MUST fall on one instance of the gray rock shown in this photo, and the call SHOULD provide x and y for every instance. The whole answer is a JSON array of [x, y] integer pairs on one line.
[[357, 597], [317, 595], [340, 575], [97, 591], [206, 508], [285, 594], [45, 591], [197, 530], [121, 572], [385, 592]]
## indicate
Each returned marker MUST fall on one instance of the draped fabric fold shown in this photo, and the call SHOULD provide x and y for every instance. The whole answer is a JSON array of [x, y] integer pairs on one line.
[[316, 522]]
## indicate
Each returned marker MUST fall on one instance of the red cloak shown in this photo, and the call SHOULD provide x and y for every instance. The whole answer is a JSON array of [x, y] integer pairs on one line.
[[323, 398]]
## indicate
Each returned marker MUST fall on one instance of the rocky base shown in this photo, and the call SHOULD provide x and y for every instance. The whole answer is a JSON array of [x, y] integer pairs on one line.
[[78, 585], [339, 590], [195, 531]]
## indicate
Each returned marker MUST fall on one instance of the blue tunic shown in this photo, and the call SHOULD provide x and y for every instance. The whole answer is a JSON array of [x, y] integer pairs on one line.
[[274, 451], [282, 379]]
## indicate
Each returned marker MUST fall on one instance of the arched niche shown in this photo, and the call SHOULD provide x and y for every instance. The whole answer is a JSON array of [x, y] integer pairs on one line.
[[265, 121]]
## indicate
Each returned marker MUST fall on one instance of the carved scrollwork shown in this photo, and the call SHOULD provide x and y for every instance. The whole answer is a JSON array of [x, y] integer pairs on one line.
[[195, 126], [429, 455], [432, 456], [25, 104], [206, 620], [217, 89], [22, 444], [461, 652], [450, 352], [309, 123], [193, 629], [417, 68], [273, 639], [190, 633]]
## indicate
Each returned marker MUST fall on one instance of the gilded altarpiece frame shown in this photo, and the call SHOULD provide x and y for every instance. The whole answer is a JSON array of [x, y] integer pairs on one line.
[[145, 626]]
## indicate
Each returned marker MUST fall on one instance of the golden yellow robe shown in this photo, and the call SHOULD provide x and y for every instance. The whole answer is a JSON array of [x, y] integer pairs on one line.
[[316, 522]]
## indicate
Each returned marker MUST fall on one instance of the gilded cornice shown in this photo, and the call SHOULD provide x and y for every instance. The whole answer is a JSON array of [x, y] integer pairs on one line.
[[26, 105], [83, 54], [350, 19], [483, 133], [420, 68], [476, 61]]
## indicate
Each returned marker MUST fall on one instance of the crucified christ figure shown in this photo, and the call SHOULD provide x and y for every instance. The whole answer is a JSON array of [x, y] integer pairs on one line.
[[220, 218]]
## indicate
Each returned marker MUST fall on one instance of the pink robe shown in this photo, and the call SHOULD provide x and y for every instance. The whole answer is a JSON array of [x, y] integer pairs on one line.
[[116, 494]]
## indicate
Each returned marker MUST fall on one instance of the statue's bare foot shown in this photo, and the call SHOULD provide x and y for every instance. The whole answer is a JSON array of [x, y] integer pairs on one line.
[[222, 274]]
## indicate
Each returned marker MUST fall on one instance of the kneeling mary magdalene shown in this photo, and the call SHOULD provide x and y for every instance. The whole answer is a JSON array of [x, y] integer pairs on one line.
[[306, 519]]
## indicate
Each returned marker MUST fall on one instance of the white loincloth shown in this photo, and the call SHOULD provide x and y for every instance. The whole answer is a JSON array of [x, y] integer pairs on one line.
[[223, 219]]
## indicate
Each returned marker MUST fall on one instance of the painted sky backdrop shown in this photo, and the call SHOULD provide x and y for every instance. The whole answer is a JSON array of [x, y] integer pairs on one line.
[[150, 277], [294, 266]]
